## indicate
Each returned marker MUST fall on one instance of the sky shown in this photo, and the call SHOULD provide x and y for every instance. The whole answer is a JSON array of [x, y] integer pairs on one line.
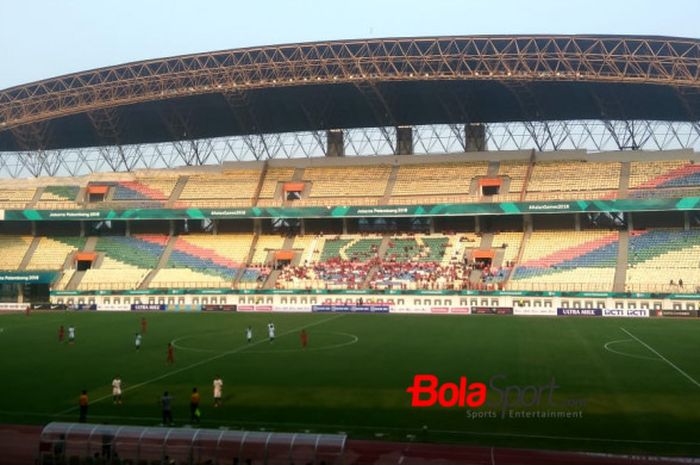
[[46, 38]]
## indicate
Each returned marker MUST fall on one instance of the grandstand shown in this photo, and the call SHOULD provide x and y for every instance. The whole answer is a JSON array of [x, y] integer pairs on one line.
[[553, 254]]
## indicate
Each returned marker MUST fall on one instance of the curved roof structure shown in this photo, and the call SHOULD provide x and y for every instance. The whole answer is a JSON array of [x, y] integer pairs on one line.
[[358, 83]]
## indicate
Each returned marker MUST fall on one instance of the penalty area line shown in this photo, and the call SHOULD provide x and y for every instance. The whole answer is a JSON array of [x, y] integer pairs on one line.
[[196, 364], [673, 365]]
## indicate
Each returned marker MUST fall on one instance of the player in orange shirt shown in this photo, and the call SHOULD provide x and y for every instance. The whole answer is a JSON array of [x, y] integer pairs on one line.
[[83, 403], [171, 355], [61, 333], [194, 406], [144, 325], [304, 338]]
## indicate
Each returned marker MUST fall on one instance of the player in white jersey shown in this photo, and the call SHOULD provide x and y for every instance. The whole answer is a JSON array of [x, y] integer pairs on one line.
[[218, 388], [117, 390], [137, 341], [249, 334], [71, 334], [271, 331]]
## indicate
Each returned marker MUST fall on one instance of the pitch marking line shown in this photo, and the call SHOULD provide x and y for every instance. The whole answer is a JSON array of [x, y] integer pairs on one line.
[[607, 345], [690, 378], [201, 362]]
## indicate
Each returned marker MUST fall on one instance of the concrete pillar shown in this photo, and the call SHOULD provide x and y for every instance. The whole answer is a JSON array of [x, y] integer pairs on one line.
[[577, 222], [171, 227], [128, 229], [33, 228], [686, 221], [215, 227], [630, 222], [257, 226], [345, 225], [302, 227], [475, 137], [477, 224], [335, 144], [432, 225], [404, 140], [20, 293], [82, 229]]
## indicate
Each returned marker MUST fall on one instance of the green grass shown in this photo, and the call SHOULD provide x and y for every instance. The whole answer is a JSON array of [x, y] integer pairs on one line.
[[633, 403]]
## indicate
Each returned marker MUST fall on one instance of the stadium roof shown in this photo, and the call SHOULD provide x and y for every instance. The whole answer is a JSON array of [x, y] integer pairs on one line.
[[358, 83]]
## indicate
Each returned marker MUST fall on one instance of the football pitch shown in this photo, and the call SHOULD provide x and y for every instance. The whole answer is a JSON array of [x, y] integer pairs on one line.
[[601, 384]]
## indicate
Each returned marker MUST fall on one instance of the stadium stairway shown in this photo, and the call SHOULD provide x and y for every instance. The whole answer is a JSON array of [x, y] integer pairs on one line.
[[475, 277], [248, 260], [521, 250], [381, 253], [625, 169], [37, 195], [383, 246], [81, 195], [621, 265], [271, 279], [75, 281], [528, 176], [90, 244], [177, 190], [162, 262], [492, 170], [486, 241], [261, 181], [29, 253], [390, 184]]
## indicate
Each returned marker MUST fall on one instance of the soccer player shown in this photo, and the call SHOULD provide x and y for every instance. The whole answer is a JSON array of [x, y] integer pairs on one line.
[[83, 403], [137, 341], [271, 331], [194, 406], [249, 334], [171, 354], [61, 333], [117, 390], [218, 386], [144, 325], [71, 334], [304, 338], [166, 403]]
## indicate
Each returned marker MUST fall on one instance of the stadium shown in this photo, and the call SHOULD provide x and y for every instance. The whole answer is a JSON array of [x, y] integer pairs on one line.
[[518, 211]]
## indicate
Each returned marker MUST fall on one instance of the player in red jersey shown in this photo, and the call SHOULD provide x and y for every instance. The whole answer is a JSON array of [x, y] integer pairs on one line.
[[144, 325], [171, 354], [61, 333], [304, 338]]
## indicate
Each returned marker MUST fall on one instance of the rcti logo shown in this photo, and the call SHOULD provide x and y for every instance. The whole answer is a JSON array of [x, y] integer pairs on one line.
[[425, 392]]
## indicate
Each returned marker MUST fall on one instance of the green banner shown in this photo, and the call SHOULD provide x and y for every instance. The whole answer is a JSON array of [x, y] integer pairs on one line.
[[226, 291], [448, 209], [20, 277]]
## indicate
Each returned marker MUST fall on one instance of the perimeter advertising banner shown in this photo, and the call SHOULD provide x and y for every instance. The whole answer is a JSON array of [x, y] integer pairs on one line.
[[678, 313], [148, 307], [218, 308], [492, 310], [579, 312], [447, 209], [351, 308], [626, 312]]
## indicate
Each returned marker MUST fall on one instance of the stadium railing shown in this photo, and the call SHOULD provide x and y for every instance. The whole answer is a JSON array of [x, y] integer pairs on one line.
[[559, 287]]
